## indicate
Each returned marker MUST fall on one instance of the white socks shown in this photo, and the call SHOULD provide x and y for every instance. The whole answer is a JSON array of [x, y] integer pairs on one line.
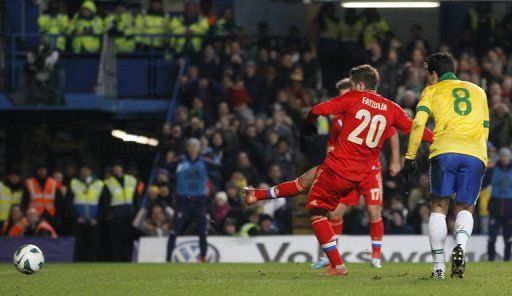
[[437, 232], [463, 228]]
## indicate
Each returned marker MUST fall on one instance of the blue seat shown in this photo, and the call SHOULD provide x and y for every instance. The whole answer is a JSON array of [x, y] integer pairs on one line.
[[132, 77], [80, 73], [165, 78]]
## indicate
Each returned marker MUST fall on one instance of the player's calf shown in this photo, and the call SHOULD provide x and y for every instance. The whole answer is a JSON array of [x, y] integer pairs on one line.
[[286, 189]]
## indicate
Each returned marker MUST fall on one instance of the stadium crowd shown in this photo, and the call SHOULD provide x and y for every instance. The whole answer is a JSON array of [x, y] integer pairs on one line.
[[242, 102]]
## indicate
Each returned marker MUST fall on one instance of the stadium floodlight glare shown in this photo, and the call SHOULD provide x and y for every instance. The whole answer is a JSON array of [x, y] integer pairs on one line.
[[134, 138], [390, 4]]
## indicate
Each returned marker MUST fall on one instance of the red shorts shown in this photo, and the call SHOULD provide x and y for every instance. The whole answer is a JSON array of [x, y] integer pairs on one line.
[[370, 188], [327, 188]]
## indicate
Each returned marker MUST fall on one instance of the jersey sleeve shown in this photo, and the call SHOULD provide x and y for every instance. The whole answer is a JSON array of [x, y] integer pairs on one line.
[[418, 130], [425, 103], [405, 124], [334, 106]]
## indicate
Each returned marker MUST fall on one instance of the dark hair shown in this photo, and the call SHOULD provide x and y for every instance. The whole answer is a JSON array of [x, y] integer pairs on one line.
[[440, 63], [365, 74], [343, 84]]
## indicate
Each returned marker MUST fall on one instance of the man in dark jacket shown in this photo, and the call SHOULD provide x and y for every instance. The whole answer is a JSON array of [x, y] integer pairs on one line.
[[500, 205]]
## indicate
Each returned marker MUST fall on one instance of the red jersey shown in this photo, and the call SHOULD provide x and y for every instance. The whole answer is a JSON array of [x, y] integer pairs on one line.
[[368, 119], [335, 128]]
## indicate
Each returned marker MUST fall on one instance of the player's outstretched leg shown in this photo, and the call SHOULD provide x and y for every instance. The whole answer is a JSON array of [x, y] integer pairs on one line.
[[286, 189], [463, 229]]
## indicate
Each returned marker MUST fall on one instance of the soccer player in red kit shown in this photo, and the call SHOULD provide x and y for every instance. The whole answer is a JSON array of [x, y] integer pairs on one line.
[[371, 189], [368, 119]]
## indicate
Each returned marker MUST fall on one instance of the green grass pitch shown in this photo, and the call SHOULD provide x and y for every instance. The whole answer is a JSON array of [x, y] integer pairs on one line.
[[250, 279]]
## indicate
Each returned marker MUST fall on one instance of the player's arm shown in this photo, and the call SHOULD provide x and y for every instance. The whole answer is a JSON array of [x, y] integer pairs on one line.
[[334, 106], [417, 132], [404, 124], [394, 165]]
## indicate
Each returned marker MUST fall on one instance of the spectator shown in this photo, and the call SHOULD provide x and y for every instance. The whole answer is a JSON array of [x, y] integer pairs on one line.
[[10, 194], [42, 85], [397, 224], [374, 28], [53, 21], [226, 25], [37, 226], [250, 228], [157, 224], [85, 28], [265, 225], [118, 204], [243, 164], [191, 172], [415, 72], [222, 209], [42, 193], [229, 227], [85, 196], [121, 27], [152, 23], [191, 26], [500, 207], [392, 75], [500, 133], [419, 219], [283, 155], [15, 225], [418, 41]]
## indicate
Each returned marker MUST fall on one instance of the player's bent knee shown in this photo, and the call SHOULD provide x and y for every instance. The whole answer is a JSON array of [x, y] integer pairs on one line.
[[375, 213], [335, 215]]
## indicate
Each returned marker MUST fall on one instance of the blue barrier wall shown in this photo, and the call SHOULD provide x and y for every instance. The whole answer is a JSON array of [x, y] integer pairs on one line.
[[55, 250]]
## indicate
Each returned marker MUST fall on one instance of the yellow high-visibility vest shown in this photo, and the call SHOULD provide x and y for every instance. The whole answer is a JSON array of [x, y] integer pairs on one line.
[[86, 194], [121, 195], [8, 198]]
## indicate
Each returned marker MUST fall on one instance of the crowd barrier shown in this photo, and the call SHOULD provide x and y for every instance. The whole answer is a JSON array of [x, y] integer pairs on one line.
[[54, 250], [303, 248]]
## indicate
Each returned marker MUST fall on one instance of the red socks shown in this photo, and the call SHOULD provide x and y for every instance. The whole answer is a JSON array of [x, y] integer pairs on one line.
[[286, 189], [327, 239], [376, 233], [337, 226]]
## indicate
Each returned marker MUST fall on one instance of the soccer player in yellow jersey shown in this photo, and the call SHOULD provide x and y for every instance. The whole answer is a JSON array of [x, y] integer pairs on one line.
[[457, 156]]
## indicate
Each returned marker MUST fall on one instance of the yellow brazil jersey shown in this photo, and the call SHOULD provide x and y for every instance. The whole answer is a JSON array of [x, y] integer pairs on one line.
[[461, 116]]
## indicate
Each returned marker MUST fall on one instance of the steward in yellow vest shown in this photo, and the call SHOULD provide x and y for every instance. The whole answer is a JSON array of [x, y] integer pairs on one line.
[[85, 29], [120, 25], [193, 25], [227, 24], [118, 205], [152, 22], [11, 192], [85, 195], [55, 23]]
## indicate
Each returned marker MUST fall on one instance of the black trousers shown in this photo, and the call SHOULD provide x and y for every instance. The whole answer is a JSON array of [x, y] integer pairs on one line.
[[500, 219], [87, 241], [497, 223], [189, 209]]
